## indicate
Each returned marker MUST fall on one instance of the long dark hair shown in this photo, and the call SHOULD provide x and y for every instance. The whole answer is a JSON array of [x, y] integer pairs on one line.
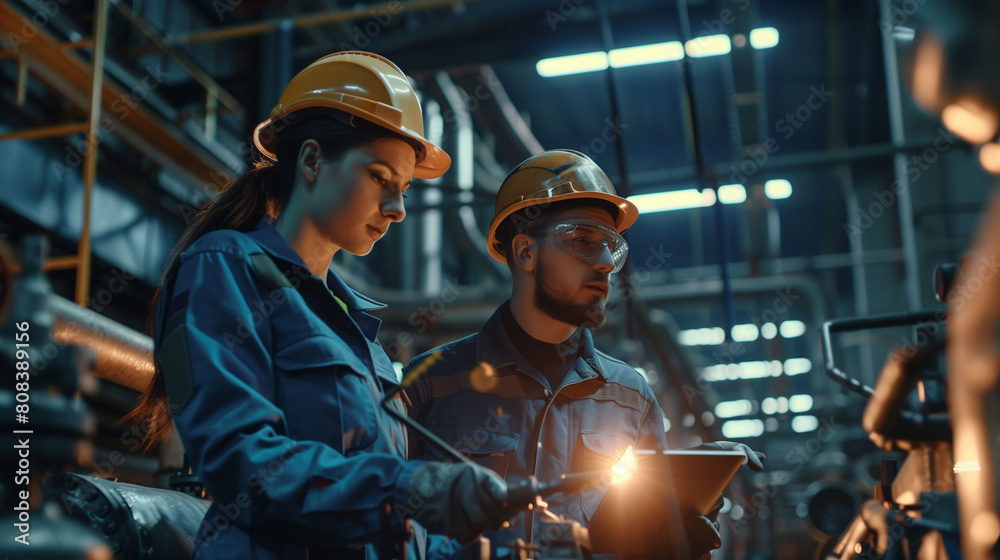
[[261, 190]]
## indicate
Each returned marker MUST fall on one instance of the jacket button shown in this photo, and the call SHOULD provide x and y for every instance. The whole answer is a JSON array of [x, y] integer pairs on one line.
[[548, 393]]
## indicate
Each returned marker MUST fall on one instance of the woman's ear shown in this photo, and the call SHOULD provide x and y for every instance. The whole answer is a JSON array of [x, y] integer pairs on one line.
[[308, 162], [524, 251]]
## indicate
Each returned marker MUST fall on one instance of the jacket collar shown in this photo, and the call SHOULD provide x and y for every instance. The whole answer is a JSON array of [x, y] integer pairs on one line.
[[275, 245], [494, 347]]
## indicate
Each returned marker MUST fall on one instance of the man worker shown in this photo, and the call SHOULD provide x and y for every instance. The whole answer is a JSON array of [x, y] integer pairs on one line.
[[529, 394]]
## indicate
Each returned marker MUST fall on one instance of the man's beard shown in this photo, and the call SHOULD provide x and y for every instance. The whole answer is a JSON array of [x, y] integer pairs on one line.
[[588, 315]]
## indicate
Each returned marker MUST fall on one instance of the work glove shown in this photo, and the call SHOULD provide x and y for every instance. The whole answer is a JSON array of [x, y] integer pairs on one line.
[[754, 459], [461, 500]]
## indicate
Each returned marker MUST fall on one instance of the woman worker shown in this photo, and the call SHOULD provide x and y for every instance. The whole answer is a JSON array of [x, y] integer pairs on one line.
[[268, 364]]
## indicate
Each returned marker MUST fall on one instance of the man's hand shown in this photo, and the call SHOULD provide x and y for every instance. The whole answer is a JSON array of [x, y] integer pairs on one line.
[[754, 459], [461, 500]]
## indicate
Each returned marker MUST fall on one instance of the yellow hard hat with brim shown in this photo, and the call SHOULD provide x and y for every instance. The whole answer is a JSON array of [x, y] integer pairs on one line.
[[362, 84], [555, 176]]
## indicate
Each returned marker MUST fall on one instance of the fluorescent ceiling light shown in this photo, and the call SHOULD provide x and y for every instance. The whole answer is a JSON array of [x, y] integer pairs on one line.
[[646, 54], [673, 200], [800, 403], [742, 428], [792, 329], [572, 64], [730, 409], [745, 333], [732, 194], [709, 45], [797, 366], [764, 38], [768, 330], [706, 336], [776, 189], [802, 424]]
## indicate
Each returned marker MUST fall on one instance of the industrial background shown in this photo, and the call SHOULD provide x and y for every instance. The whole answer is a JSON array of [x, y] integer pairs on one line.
[[786, 174]]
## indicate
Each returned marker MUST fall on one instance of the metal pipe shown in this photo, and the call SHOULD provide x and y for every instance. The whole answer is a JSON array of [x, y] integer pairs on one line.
[[183, 61], [121, 354], [319, 18], [904, 203], [93, 139], [46, 131]]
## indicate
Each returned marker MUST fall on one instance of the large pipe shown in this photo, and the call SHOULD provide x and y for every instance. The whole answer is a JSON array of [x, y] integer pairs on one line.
[[121, 354]]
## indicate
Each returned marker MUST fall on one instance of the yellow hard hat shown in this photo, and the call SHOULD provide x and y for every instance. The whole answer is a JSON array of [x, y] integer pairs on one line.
[[551, 176], [362, 84]]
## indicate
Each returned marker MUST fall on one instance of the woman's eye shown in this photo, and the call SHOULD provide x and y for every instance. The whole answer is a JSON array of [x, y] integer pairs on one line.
[[380, 179]]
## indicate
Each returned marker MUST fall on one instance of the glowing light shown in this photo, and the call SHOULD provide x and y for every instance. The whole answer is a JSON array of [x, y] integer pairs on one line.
[[709, 45], [624, 468], [763, 38], [768, 330], [769, 405], [731, 409], [745, 333], [572, 64], [646, 54], [989, 157], [792, 329], [800, 403], [803, 424], [985, 528], [965, 466], [797, 366], [732, 194], [970, 120], [777, 189], [782, 405], [673, 200], [742, 428], [927, 67], [701, 337]]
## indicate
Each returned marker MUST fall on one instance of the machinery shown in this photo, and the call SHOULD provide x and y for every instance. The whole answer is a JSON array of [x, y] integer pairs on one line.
[[914, 512]]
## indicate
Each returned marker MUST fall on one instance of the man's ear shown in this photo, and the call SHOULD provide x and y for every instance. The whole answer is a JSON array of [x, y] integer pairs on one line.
[[308, 162], [524, 251]]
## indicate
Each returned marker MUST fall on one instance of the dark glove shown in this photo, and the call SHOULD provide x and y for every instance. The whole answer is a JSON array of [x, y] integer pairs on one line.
[[461, 500], [701, 537], [754, 458]]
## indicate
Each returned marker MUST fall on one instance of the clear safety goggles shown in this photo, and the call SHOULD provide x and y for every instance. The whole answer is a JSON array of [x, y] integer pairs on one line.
[[587, 242]]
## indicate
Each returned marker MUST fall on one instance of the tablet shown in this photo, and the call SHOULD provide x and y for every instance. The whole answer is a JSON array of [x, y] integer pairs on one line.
[[633, 513]]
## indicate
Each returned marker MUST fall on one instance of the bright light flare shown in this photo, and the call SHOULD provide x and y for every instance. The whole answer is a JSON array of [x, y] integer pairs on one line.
[[572, 64], [764, 38], [989, 157], [971, 120], [709, 45], [673, 200], [624, 468], [646, 54], [778, 189]]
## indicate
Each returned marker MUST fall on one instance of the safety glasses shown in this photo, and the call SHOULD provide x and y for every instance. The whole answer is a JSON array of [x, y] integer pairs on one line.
[[587, 242]]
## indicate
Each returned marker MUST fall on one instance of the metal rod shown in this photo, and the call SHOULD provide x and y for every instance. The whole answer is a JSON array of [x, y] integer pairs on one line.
[[22, 80], [320, 18], [46, 131], [93, 139], [68, 46], [181, 59], [904, 203]]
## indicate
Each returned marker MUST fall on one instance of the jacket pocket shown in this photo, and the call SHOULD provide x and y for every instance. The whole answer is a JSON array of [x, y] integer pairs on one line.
[[487, 448], [596, 451], [327, 393]]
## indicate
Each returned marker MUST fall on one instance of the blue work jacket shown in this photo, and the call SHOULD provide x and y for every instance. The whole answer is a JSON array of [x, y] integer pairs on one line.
[[516, 425], [274, 387]]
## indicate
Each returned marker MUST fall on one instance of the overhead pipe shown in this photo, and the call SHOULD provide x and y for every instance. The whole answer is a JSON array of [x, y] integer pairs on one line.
[[904, 203]]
